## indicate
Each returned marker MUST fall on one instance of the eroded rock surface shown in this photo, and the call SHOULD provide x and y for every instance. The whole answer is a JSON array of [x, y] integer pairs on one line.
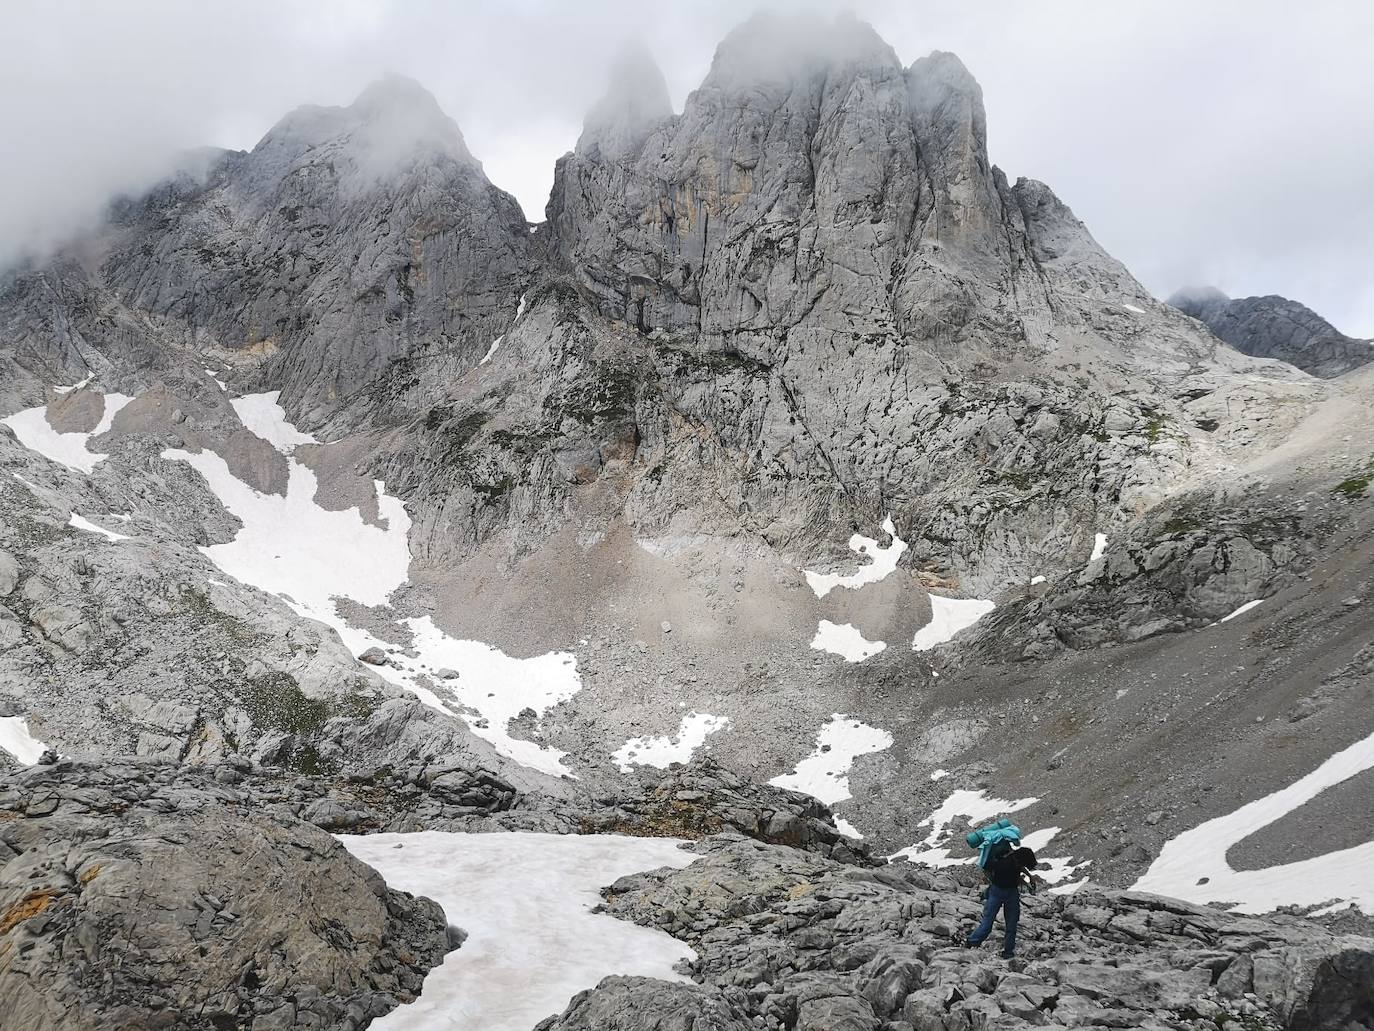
[[131, 900]]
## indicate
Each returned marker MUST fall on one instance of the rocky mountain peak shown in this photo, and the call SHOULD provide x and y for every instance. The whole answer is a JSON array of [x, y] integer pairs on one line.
[[943, 87], [1276, 327], [635, 102], [392, 124], [776, 48]]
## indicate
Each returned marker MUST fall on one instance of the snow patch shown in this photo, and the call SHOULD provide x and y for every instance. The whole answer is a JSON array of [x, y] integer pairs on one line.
[[1099, 547], [491, 350], [1193, 866], [1240, 611], [1053, 871], [309, 556], [1037, 580], [947, 617], [1132, 307], [90, 527], [976, 806], [16, 739], [847, 829], [74, 386], [846, 641], [526, 901], [881, 562], [938, 774], [824, 774], [662, 752], [69, 449]]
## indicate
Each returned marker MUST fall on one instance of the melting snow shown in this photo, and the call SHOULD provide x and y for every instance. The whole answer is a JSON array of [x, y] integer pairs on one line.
[[846, 641], [938, 774], [824, 774], [310, 556], [90, 527], [662, 752], [526, 902], [1193, 865], [1243, 609], [1099, 547], [947, 617], [1132, 307], [69, 449], [16, 739], [882, 561]]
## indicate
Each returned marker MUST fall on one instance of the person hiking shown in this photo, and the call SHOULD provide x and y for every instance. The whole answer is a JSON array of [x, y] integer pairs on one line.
[[1005, 875]]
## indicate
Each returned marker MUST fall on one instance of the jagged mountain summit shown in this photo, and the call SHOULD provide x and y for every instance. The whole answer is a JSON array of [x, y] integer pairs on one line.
[[1276, 327], [796, 434]]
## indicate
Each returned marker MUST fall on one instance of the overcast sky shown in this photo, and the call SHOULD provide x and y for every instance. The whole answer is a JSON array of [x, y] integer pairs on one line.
[[1228, 142]]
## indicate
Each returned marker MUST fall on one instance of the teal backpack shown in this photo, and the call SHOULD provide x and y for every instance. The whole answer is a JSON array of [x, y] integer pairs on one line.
[[993, 842]]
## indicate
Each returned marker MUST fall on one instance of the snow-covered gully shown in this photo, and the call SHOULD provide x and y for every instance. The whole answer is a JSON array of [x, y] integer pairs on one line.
[[525, 901]]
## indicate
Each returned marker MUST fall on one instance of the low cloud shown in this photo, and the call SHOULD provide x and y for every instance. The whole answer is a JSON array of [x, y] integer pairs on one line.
[[1226, 143]]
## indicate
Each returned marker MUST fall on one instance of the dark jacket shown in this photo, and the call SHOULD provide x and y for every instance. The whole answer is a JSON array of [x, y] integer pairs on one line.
[[1005, 873]]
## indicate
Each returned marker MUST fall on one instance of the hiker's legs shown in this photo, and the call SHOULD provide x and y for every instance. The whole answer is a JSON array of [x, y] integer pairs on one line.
[[995, 899], [1011, 916]]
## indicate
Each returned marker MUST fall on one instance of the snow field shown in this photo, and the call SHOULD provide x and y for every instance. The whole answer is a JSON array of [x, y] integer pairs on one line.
[[525, 901], [1193, 866], [290, 546], [69, 449], [846, 641], [947, 617], [662, 752], [881, 562], [16, 739], [824, 774], [979, 809]]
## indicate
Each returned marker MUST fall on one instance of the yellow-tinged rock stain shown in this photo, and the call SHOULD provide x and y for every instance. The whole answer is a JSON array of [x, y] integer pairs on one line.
[[800, 890], [29, 906], [89, 874]]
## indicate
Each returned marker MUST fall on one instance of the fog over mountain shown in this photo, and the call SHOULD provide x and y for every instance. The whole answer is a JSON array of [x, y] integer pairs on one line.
[[1176, 130]]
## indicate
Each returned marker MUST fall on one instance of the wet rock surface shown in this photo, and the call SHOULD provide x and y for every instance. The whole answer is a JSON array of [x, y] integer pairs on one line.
[[131, 898]]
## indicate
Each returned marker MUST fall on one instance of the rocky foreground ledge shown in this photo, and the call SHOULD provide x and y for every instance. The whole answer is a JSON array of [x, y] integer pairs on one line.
[[132, 898], [147, 894], [789, 940]]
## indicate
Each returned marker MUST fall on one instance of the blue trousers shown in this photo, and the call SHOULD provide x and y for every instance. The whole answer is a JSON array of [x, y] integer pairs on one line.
[[1009, 901]]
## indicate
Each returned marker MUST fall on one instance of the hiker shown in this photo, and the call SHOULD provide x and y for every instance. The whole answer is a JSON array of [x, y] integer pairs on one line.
[[1005, 875]]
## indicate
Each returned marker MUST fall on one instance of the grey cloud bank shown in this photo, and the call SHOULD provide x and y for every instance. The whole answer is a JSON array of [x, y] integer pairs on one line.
[[1227, 143]]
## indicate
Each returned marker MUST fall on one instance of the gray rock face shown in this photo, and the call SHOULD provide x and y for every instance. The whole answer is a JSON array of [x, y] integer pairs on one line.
[[338, 249], [803, 942], [1276, 327], [129, 901], [643, 1004]]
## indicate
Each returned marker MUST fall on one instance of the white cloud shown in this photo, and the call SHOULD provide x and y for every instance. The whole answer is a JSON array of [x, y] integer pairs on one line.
[[1225, 143]]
